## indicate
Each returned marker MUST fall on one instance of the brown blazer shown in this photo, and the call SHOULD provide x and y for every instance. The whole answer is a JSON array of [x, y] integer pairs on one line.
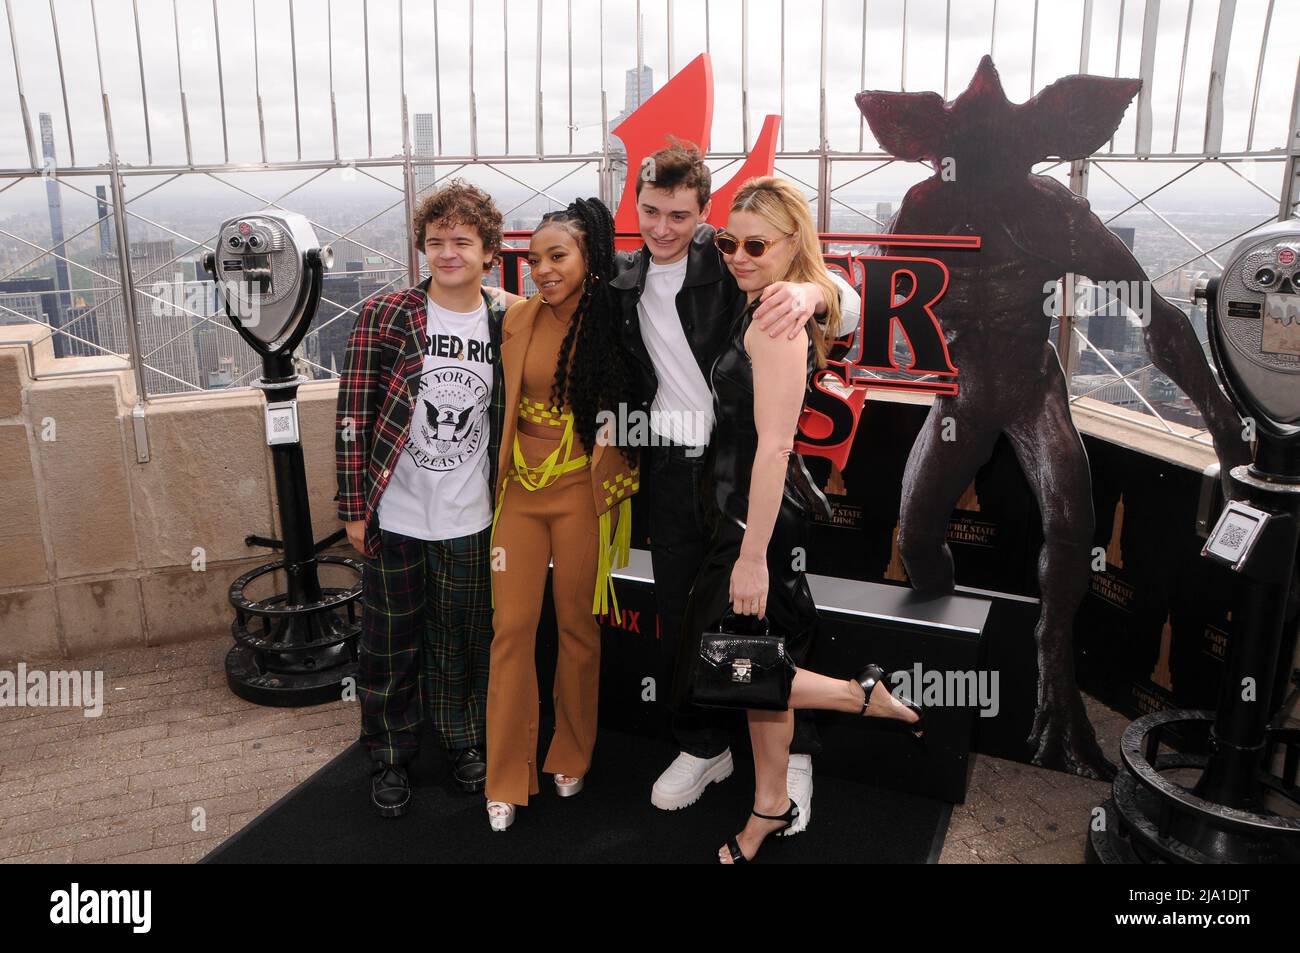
[[612, 480]]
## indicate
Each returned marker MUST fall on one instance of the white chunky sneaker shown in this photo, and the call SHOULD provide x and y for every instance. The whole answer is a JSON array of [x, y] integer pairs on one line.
[[799, 785], [687, 777]]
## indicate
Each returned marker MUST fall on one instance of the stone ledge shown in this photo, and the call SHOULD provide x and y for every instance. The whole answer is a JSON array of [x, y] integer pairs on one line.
[[71, 618]]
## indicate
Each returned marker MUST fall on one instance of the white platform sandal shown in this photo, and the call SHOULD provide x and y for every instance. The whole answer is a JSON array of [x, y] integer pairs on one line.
[[568, 787], [500, 820]]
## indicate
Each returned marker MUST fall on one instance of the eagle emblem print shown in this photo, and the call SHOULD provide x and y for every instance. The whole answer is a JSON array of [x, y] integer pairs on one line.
[[450, 430]]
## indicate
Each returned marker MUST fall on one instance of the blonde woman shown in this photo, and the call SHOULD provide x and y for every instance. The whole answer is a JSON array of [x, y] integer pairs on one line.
[[766, 497]]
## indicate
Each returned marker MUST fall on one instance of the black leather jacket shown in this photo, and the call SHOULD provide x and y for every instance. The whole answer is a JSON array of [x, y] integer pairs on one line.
[[706, 304]]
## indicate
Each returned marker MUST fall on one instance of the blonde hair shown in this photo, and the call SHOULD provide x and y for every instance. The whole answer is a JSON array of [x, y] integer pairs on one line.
[[784, 207]]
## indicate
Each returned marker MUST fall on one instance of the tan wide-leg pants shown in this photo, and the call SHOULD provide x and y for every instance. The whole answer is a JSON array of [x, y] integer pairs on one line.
[[556, 523]]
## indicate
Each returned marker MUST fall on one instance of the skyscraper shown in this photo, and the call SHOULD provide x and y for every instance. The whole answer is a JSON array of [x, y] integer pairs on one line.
[[637, 88], [1108, 319], [162, 306], [33, 300], [425, 145], [27, 299], [105, 229], [224, 358], [79, 320], [55, 200]]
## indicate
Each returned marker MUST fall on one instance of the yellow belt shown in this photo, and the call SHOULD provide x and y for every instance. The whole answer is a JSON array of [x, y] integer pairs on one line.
[[615, 546]]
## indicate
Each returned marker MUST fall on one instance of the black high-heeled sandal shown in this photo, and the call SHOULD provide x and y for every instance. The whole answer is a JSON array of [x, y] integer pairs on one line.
[[733, 846], [867, 679]]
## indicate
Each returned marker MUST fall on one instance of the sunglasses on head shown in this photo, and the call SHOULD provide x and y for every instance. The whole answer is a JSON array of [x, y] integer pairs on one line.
[[754, 247]]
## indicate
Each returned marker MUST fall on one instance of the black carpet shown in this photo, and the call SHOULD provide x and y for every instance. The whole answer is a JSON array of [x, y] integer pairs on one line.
[[328, 819]]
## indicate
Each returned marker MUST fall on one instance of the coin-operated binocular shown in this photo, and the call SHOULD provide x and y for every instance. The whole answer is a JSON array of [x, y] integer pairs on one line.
[[268, 267], [1239, 810], [1254, 310], [294, 647]]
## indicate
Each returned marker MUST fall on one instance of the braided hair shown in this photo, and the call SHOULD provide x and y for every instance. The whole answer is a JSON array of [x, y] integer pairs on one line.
[[600, 377]]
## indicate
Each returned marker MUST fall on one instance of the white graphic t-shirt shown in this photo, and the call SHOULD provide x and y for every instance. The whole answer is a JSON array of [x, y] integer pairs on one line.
[[439, 488]]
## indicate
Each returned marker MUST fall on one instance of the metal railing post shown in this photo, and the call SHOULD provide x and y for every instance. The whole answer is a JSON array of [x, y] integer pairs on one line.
[[408, 191], [823, 159], [22, 96], [126, 283], [1291, 171]]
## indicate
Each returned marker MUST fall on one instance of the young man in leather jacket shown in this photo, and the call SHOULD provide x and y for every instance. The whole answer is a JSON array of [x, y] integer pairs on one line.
[[678, 299]]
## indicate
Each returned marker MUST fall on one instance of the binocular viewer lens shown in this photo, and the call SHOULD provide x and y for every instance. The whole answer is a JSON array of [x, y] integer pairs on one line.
[[1255, 327], [265, 267], [1267, 278]]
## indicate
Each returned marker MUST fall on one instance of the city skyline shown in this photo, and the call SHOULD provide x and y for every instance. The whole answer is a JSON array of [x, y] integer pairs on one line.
[[172, 217]]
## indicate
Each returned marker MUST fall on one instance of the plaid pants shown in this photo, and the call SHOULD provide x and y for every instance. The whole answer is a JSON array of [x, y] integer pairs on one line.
[[426, 637]]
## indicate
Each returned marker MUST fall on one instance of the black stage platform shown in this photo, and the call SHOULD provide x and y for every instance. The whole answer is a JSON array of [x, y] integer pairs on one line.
[[328, 819]]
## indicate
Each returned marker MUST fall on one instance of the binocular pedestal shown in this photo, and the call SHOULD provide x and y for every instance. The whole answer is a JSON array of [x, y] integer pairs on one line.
[[1239, 810], [297, 646]]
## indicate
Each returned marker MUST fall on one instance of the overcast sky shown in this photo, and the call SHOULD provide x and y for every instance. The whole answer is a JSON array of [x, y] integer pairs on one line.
[[602, 44]]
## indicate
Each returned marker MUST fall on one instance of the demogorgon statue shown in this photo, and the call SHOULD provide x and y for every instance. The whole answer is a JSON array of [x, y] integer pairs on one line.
[[1033, 231]]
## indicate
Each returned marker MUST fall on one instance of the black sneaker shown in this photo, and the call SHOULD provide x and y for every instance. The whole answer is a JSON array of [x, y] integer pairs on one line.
[[390, 789], [470, 769]]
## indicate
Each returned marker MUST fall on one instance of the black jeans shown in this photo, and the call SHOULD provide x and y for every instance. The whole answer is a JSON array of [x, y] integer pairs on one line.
[[681, 521]]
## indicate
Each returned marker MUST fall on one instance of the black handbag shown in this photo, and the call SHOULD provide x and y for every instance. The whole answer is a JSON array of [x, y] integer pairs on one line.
[[742, 665]]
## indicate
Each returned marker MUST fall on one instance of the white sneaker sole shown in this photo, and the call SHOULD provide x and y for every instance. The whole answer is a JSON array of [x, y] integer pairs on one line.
[[716, 774]]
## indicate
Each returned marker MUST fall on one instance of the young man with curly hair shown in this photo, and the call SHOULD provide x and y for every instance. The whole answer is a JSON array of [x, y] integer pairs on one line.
[[419, 421]]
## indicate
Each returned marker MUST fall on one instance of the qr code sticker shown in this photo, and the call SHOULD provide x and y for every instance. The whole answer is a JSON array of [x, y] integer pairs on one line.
[[280, 424], [1233, 537]]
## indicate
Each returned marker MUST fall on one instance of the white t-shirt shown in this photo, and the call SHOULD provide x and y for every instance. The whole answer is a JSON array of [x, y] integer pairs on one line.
[[439, 488], [683, 406]]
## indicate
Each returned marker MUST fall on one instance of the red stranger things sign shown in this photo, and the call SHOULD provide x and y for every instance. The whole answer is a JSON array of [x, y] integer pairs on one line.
[[899, 293], [899, 298]]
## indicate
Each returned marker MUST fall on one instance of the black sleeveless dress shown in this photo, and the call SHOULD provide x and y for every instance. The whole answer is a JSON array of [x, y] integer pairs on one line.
[[790, 608]]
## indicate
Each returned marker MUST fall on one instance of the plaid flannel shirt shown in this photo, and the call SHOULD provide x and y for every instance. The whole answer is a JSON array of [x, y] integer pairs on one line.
[[378, 389]]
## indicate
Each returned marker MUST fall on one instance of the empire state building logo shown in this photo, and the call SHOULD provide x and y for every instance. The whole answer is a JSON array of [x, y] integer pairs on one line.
[[1114, 552], [1105, 583], [1161, 674], [895, 571], [970, 501]]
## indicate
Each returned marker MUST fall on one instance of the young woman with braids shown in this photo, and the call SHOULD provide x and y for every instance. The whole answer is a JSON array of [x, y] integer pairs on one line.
[[563, 496]]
